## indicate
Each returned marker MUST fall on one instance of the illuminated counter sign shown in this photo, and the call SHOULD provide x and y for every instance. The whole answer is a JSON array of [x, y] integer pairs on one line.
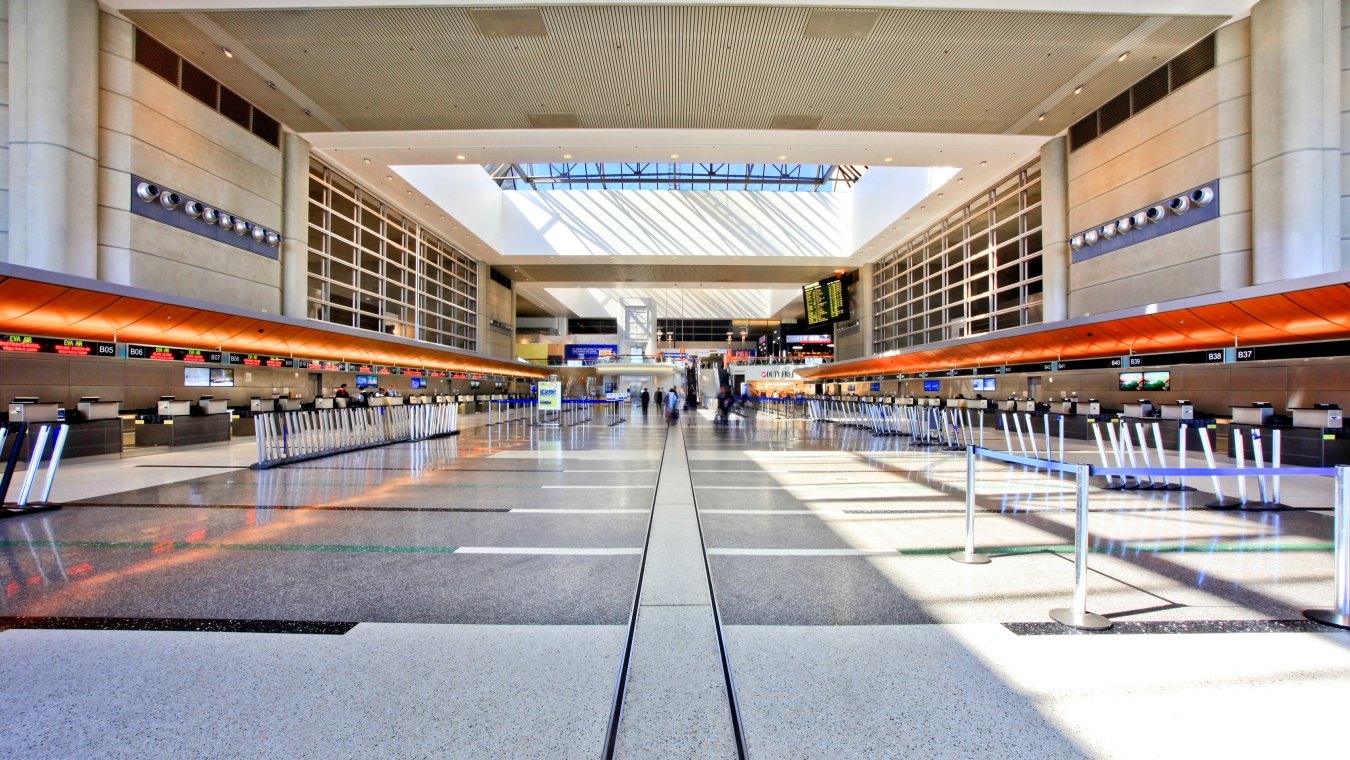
[[27, 344], [414, 373], [257, 360], [165, 354], [826, 301], [322, 366], [438, 373]]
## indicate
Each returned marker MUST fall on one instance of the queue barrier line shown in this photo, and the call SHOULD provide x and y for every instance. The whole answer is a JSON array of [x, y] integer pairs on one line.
[[22, 504], [295, 436], [1077, 615]]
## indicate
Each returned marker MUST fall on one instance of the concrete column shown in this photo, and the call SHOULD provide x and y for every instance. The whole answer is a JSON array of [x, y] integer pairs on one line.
[[1055, 254], [294, 225], [865, 309], [53, 127], [482, 317], [1296, 61]]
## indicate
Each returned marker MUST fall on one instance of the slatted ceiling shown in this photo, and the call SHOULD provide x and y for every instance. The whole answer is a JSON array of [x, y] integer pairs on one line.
[[665, 66]]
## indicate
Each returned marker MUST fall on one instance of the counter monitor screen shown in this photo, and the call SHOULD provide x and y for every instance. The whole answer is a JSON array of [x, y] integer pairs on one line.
[[418, 383], [197, 377], [826, 301], [983, 384], [367, 381], [932, 386], [220, 378]]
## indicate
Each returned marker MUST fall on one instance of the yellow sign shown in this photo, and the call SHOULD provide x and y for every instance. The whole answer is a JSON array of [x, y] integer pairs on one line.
[[550, 396]]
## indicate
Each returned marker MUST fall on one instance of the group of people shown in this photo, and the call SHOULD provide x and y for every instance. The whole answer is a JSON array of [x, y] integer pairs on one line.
[[363, 394], [669, 401]]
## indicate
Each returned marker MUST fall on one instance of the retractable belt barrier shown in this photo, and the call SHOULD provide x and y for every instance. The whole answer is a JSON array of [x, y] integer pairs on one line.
[[574, 411], [509, 411], [39, 450], [285, 437], [1077, 615]]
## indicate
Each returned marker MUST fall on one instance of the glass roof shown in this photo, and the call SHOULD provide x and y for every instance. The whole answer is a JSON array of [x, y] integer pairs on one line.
[[798, 178]]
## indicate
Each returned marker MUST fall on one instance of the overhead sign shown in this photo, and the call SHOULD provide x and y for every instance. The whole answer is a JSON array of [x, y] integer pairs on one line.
[[259, 360], [27, 344], [589, 352], [825, 301], [166, 354], [550, 396], [810, 339]]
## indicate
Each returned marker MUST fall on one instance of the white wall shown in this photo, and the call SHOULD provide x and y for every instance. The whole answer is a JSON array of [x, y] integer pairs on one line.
[[885, 193]]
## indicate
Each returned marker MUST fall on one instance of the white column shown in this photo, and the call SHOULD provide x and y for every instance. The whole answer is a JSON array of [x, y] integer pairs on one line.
[[53, 127], [1296, 61], [1055, 254], [294, 225]]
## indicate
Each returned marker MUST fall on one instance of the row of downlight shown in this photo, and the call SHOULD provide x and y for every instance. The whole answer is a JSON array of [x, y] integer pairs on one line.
[[151, 193], [1199, 197]]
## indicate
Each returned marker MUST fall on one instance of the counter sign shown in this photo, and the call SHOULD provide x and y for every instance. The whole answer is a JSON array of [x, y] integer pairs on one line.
[[27, 344]]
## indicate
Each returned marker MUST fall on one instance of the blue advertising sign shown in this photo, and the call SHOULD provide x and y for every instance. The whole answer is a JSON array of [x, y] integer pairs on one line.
[[588, 352], [932, 386]]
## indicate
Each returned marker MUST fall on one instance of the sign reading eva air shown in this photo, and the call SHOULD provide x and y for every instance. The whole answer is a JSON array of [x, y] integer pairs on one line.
[[550, 396]]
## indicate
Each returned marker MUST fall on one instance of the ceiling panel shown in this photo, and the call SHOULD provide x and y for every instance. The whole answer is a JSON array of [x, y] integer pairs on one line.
[[654, 66]]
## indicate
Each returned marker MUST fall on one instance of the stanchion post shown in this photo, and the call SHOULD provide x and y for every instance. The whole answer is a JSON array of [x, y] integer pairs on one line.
[[969, 557], [1078, 615], [1339, 615]]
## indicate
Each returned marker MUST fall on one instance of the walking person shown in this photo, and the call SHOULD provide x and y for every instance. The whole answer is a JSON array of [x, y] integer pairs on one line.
[[646, 399], [672, 406]]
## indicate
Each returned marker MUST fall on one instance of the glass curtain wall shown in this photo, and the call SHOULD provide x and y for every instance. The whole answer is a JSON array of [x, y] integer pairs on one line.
[[978, 271], [374, 268]]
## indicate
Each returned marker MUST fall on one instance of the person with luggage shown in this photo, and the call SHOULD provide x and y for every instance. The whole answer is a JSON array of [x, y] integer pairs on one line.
[[672, 406]]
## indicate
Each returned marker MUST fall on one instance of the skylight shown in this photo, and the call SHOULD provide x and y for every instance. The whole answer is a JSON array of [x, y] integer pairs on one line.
[[796, 178]]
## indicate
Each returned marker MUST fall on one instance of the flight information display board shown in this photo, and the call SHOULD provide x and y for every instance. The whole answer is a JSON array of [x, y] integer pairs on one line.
[[166, 354], [826, 301], [259, 360], [28, 344]]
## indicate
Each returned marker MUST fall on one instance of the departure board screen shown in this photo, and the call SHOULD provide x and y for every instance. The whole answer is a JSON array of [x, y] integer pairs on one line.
[[826, 301], [28, 344], [167, 354]]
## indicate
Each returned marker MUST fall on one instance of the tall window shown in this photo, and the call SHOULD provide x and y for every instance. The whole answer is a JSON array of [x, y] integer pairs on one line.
[[978, 271], [373, 268]]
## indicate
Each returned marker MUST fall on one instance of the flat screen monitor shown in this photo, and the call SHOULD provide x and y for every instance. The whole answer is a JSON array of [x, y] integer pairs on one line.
[[475, 384], [983, 384], [826, 301], [418, 383], [1157, 381], [197, 377], [932, 386], [1131, 381], [367, 381], [222, 378]]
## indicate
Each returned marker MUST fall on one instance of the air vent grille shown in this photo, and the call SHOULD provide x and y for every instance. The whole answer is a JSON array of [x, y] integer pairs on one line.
[[160, 60], [794, 121], [1184, 68]]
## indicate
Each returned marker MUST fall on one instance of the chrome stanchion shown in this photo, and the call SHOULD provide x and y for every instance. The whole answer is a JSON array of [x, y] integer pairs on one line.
[[969, 557], [1078, 615], [1339, 615]]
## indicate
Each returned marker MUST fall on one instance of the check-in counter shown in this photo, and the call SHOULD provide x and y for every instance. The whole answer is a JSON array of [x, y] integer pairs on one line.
[[908, 401], [1027, 405], [172, 407], [930, 401], [258, 405], [91, 409], [1259, 413], [288, 404], [1093, 408], [212, 405], [1008, 405], [34, 411], [1138, 409], [177, 426], [326, 403], [1064, 406], [1181, 410], [1319, 417]]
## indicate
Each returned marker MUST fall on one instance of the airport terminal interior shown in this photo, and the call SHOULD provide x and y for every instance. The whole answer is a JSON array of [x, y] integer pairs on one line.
[[905, 379]]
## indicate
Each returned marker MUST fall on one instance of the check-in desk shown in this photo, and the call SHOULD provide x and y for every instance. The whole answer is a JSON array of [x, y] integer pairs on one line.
[[258, 405], [323, 402], [1259, 413], [174, 423], [1141, 409], [94, 429], [908, 401], [1027, 406], [1317, 438], [930, 401], [288, 405], [1181, 410]]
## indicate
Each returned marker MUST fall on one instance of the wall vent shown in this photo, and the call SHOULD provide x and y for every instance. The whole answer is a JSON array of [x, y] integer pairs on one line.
[[830, 24], [159, 59], [509, 22], [1171, 76], [798, 121], [553, 120]]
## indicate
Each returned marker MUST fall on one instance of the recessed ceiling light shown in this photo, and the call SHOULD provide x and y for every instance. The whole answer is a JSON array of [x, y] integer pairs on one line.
[[674, 155], [409, 192], [1078, 90], [782, 158], [960, 179], [460, 157], [984, 163], [1040, 118], [389, 177], [888, 160], [366, 160], [227, 52], [1124, 55], [567, 155]]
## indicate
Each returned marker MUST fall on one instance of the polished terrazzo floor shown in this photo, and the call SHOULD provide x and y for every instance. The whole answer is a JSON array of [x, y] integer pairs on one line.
[[469, 597]]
